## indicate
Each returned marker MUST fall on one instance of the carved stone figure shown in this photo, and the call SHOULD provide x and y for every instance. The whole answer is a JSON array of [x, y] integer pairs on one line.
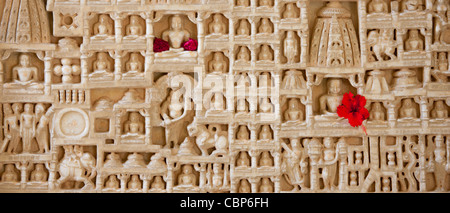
[[293, 112], [42, 130], [134, 125], [440, 110], [24, 75], [112, 183], [158, 183], [266, 3], [294, 165], [11, 128], [10, 175], [243, 28], [265, 54], [407, 110], [243, 55], [265, 26], [173, 106], [39, 174], [414, 42], [67, 70], [134, 66], [218, 64], [266, 106], [290, 11], [378, 6], [206, 138], [382, 44], [102, 66], [27, 127], [217, 26], [442, 62], [134, 28], [135, 183], [243, 3], [291, 47], [77, 165], [176, 35], [243, 133], [329, 159], [441, 7], [244, 186], [265, 133], [243, 160], [265, 159], [377, 113], [411, 5], [330, 101], [187, 177], [103, 27], [266, 186], [242, 105]]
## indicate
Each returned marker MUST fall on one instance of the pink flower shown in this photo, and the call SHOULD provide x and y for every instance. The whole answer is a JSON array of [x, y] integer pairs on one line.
[[160, 45], [190, 45]]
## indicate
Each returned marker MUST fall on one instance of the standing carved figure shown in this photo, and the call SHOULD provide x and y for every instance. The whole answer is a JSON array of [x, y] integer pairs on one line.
[[294, 164], [42, 131], [290, 47], [11, 129], [27, 127]]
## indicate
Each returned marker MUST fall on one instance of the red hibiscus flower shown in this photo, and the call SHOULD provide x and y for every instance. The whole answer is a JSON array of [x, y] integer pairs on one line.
[[190, 45], [352, 108], [160, 45]]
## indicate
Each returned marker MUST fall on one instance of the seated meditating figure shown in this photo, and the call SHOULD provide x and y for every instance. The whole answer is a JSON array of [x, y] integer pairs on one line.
[[243, 133], [244, 186], [266, 187], [265, 133], [243, 55], [378, 6], [112, 183], [265, 26], [173, 106], [217, 102], [133, 66], [102, 67], [218, 64], [407, 110], [134, 125], [24, 75], [39, 174], [103, 28], [176, 35], [330, 101], [243, 28], [187, 176], [135, 183], [217, 26], [290, 11], [158, 183], [242, 105], [265, 159], [134, 29], [243, 160], [265, 54], [218, 175], [442, 62], [376, 113], [439, 111], [293, 112], [9, 175], [414, 42], [266, 106]]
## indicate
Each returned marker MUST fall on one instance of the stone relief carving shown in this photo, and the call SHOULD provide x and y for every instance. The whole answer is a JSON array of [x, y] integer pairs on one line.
[[89, 105]]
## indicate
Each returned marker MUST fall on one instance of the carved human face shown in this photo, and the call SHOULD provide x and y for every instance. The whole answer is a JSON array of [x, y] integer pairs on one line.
[[102, 56], [24, 60], [265, 181], [243, 155], [289, 7], [187, 169], [17, 107], [218, 56], [9, 168], [440, 105], [327, 142], [39, 108], [134, 19], [28, 108], [7, 109], [293, 104], [442, 56], [265, 21], [103, 19], [414, 34], [175, 23], [295, 142], [39, 167], [334, 86], [265, 128], [377, 106], [217, 17], [407, 102]]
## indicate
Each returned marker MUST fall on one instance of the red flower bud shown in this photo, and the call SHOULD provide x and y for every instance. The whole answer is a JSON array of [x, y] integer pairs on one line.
[[190, 45]]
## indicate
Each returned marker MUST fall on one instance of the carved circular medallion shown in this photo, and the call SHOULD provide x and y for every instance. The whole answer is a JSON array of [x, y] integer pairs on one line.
[[72, 123]]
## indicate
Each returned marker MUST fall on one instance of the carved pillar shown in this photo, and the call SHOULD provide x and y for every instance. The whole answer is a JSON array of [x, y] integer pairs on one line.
[[254, 184], [422, 164], [201, 35], [123, 182], [170, 177], [47, 72], [146, 182], [149, 54], [362, 31], [23, 167], [84, 66], [400, 42], [390, 106], [424, 106], [117, 55], [118, 18]]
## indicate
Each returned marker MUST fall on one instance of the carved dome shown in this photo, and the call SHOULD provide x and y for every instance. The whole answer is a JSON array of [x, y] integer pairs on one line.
[[334, 42], [24, 21]]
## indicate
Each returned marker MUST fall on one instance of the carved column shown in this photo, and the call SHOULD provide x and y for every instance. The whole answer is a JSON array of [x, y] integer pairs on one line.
[[117, 55], [422, 164], [149, 54], [47, 72], [146, 182], [201, 35], [123, 182], [84, 66], [118, 18]]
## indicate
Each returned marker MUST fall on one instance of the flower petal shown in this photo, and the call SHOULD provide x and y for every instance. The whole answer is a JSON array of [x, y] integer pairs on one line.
[[355, 119], [347, 99], [343, 111]]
